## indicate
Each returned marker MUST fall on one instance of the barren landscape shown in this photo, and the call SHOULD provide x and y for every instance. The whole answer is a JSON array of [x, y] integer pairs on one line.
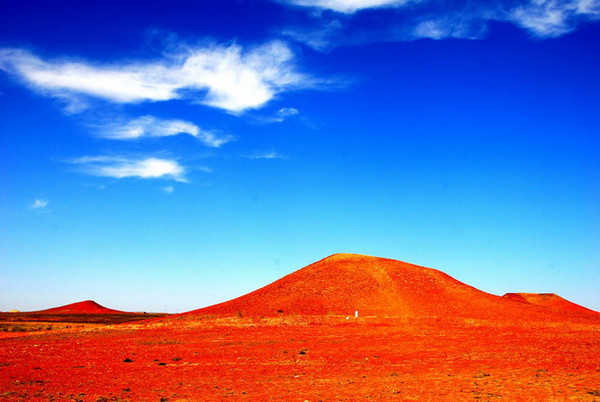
[[348, 327], [81, 315], [179, 181]]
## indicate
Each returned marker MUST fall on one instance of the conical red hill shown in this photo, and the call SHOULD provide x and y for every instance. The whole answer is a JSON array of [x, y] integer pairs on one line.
[[549, 300], [343, 283], [84, 307]]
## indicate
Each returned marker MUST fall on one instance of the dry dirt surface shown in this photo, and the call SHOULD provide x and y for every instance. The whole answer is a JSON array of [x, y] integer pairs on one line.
[[445, 349], [14, 324], [82, 315]]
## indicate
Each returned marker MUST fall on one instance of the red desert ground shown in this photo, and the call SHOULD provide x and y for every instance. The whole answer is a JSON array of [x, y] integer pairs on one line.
[[346, 328]]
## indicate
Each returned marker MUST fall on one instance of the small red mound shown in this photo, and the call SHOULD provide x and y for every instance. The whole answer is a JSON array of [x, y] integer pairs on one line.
[[344, 283], [84, 307], [516, 296], [549, 300]]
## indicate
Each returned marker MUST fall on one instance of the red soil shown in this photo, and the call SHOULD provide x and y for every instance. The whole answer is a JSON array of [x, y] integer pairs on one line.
[[549, 300], [421, 335], [343, 362], [84, 307]]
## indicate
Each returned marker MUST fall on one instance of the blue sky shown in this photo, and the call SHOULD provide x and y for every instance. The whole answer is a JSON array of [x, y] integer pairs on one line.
[[170, 157]]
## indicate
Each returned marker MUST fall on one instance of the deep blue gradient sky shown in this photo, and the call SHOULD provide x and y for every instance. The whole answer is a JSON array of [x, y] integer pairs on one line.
[[168, 157]]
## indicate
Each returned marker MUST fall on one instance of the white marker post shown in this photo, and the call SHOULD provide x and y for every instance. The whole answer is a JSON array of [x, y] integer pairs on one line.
[[355, 313]]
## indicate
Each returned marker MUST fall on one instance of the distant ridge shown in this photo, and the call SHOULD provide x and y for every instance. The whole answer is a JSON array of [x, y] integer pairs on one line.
[[549, 300], [344, 283], [83, 307]]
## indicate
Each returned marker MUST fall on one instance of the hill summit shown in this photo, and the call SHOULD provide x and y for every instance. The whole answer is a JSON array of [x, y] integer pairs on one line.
[[549, 300], [83, 307], [342, 284]]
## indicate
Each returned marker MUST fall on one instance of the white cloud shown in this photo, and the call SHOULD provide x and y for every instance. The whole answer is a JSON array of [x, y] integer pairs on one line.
[[543, 18], [168, 189], [225, 77], [552, 18], [287, 112], [319, 38], [266, 155], [431, 29], [588, 7], [280, 116], [455, 26], [39, 203], [122, 167], [150, 126], [416, 19], [348, 6]]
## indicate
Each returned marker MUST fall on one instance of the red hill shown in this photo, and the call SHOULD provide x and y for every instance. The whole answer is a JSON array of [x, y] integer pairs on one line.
[[549, 300], [343, 283], [84, 307]]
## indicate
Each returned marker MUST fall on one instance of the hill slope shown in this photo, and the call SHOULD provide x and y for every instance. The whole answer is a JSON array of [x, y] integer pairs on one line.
[[343, 283], [84, 307], [549, 300]]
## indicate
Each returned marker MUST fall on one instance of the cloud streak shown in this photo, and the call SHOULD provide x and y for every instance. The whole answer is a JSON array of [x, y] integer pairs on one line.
[[123, 167], [39, 203], [150, 126], [225, 77], [411, 20], [552, 18], [266, 155], [279, 116], [348, 6]]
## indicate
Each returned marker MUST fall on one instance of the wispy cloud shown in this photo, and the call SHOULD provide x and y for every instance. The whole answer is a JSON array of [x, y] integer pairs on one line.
[[279, 116], [226, 77], [124, 167], [462, 25], [551, 18], [150, 126], [286, 112], [410, 20], [348, 6], [39, 204], [319, 38], [168, 189], [266, 155]]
